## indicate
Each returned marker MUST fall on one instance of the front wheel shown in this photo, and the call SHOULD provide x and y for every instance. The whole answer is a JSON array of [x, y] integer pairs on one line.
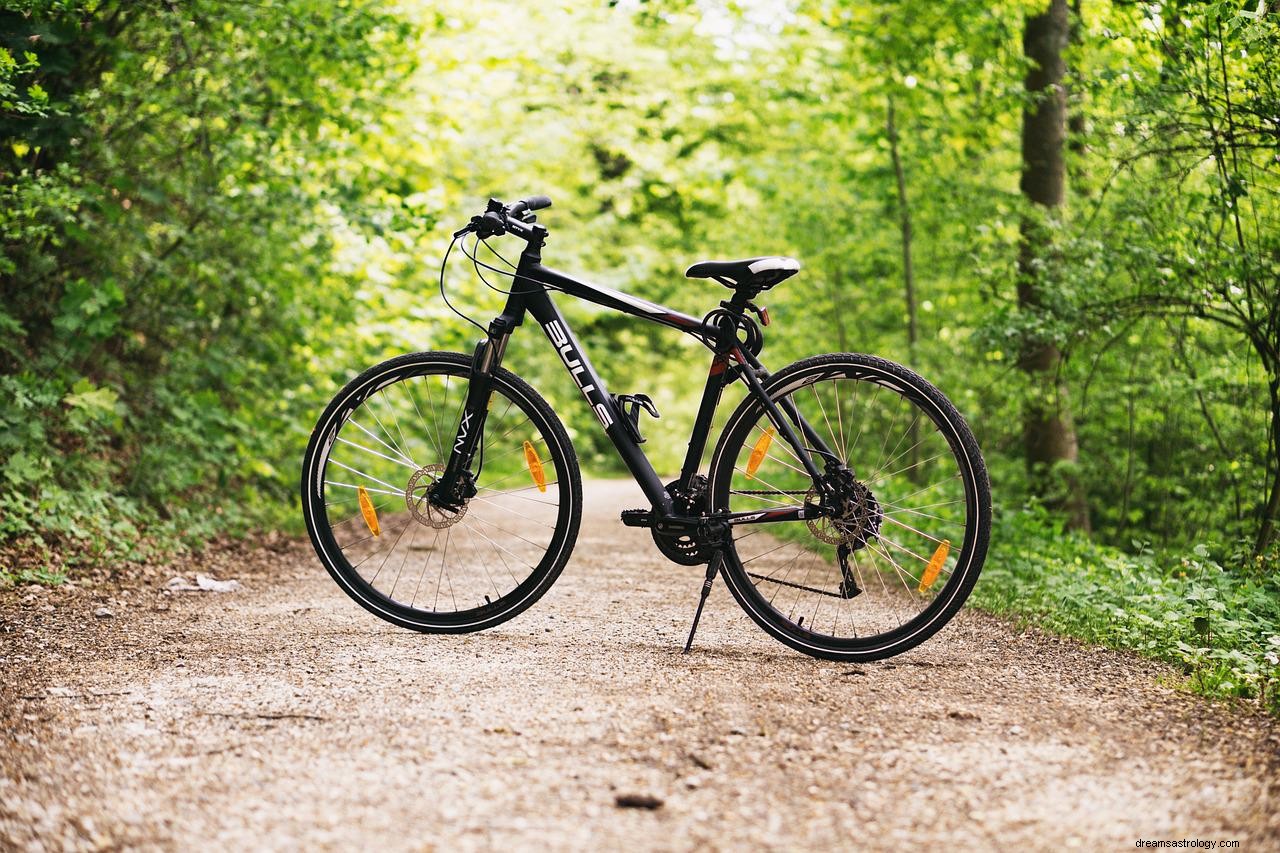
[[903, 549], [376, 451]]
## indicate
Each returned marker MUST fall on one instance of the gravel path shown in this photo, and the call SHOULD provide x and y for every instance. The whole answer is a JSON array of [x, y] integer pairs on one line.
[[282, 716]]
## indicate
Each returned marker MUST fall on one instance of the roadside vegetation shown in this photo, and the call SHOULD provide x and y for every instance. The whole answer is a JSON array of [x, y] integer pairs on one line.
[[1066, 215]]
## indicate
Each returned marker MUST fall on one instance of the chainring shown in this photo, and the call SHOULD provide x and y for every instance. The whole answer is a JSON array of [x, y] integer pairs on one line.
[[684, 548]]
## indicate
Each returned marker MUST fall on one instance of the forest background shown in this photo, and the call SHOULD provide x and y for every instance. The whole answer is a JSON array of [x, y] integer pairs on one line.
[[1065, 214]]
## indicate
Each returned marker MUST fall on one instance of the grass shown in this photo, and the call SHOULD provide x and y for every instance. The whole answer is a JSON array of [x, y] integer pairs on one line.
[[1219, 625]]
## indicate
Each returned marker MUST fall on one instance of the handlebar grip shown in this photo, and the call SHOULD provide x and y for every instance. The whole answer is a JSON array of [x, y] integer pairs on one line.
[[535, 202]]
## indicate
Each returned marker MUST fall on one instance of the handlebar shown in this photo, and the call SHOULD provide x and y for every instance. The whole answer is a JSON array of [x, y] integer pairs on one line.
[[533, 202], [499, 218]]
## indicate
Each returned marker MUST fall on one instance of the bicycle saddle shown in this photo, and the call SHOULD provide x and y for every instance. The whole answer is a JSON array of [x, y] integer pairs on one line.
[[758, 273]]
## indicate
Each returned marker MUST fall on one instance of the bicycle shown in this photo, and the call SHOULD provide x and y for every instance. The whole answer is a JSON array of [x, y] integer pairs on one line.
[[846, 502]]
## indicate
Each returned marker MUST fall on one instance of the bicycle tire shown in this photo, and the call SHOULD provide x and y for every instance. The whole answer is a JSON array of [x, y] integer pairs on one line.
[[326, 435], [746, 586]]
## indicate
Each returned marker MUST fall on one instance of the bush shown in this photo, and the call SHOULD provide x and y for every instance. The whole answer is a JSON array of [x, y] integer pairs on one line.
[[1220, 625]]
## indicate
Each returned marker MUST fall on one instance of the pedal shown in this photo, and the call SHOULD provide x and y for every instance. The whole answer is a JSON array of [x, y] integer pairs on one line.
[[630, 406], [637, 517]]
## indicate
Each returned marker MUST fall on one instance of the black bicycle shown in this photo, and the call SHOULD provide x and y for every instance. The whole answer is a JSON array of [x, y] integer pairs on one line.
[[846, 501]]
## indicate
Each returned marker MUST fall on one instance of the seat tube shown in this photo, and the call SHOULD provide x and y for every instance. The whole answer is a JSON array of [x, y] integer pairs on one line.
[[706, 411]]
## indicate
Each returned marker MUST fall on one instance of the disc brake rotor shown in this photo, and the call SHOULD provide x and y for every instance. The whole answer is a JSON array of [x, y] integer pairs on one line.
[[859, 518], [416, 496]]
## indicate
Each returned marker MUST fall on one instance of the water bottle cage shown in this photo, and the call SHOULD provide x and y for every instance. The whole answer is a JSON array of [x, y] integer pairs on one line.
[[630, 406]]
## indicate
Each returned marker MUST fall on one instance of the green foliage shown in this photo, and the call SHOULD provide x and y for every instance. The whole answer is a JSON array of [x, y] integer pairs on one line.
[[1221, 626], [213, 214], [170, 176]]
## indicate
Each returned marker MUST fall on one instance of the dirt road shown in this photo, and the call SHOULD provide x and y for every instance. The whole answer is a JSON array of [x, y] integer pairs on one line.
[[283, 716]]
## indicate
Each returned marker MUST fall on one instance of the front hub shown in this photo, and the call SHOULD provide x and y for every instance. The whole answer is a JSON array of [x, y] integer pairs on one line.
[[426, 509]]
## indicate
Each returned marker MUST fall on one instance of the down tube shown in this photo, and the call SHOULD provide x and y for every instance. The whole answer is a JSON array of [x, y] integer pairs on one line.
[[592, 387]]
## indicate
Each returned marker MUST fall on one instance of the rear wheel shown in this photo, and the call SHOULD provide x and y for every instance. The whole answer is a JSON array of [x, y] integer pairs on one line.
[[376, 451], [913, 521]]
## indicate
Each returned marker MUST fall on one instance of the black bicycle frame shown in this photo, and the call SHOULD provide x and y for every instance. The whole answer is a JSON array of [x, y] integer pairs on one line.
[[530, 293]]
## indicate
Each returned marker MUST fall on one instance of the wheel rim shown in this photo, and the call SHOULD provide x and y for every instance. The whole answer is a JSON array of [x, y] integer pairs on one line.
[[904, 451], [416, 560]]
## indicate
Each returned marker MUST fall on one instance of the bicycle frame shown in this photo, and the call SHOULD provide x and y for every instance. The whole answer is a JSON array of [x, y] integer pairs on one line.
[[530, 294]]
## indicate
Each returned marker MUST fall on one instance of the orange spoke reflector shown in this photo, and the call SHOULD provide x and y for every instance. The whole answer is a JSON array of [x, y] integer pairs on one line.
[[535, 467], [758, 453], [935, 565], [367, 510]]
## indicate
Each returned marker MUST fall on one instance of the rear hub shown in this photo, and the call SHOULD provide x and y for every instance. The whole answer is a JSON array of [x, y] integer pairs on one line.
[[853, 515]]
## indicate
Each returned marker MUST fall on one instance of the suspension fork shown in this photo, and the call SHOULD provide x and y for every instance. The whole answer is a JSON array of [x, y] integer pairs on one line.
[[451, 489]]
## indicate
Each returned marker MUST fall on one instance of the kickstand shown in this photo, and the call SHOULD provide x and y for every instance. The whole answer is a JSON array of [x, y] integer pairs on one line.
[[712, 568]]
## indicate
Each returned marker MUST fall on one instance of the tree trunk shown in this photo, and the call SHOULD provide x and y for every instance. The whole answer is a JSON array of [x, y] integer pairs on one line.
[[1267, 527], [908, 276], [1049, 434]]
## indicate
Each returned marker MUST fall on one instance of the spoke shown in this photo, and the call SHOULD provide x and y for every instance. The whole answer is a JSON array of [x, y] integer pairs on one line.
[[786, 463], [397, 448], [519, 452], [863, 423], [844, 441], [359, 516], [376, 453], [510, 553], [344, 548], [366, 488], [898, 568], [516, 514], [783, 444], [413, 398], [884, 587], [448, 531], [506, 477], [757, 476], [803, 583], [483, 563], [435, 420], [407, 551], [390, 551], [887, 433], [422, 574], [362, 428], [934, 486], [896, 508], [910, 427], [912, 529], [485, 442], [908, 468], [366, 476], [386, 401], [512, 494], [509, 430], [766, 553], [823, 408], [903, 548], [897, 443], [497, 549], [508, 532]]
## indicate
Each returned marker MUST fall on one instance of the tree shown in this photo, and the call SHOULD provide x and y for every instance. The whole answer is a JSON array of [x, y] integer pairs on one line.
[[1049, 434]]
